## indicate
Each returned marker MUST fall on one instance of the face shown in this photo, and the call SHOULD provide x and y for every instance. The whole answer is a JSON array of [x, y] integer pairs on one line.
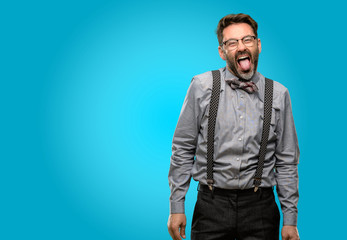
[[242, 61]]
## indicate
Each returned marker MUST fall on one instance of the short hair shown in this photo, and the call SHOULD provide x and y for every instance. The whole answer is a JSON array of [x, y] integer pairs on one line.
[[235, 18]]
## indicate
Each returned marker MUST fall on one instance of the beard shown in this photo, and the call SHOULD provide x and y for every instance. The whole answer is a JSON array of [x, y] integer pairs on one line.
[[233, 64]]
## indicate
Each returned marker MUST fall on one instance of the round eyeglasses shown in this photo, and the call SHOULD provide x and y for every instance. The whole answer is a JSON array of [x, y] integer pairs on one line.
[[232, 44]]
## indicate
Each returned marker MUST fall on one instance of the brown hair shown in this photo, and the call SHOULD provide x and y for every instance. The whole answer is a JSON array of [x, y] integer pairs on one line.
[[235, 18]]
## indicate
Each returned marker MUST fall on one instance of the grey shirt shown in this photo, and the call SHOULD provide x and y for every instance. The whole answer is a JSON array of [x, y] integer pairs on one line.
[[237, 142]]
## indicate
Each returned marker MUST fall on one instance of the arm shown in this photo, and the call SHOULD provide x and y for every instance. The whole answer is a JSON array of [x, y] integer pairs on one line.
[[287, 157], [182, 159], [184, 146]]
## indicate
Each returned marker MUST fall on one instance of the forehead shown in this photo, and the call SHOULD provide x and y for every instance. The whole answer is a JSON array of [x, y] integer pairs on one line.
[[237, 30]]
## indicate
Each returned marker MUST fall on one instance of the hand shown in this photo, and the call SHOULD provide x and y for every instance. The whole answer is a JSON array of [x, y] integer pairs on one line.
[[290, 233], [177, 226]]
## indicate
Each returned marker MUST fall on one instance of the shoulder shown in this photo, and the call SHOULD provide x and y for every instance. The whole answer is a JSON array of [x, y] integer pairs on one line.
[[205, 80], [280, 93], [279, 88]]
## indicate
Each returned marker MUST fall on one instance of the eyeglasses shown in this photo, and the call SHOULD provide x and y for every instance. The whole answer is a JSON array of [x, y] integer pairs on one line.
[[232, 44]]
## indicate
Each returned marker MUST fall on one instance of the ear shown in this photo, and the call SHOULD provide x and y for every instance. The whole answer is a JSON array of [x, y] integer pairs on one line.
[[221, 53], [259, 45]]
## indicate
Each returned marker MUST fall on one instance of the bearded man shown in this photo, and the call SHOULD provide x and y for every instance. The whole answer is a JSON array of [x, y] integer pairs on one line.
[[235, 198]]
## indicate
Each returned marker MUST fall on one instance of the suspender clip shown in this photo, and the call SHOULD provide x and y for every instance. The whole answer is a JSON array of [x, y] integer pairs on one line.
[[257, 181], [210, 184]]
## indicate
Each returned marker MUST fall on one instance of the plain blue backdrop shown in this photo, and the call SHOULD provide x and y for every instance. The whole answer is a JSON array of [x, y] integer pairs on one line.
[[90, 96]]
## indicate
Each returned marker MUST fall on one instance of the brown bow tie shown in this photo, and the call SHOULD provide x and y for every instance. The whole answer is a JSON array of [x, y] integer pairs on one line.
[[249, 86]]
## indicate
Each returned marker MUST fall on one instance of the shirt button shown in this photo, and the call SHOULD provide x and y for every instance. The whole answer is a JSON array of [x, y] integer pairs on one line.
[[241, 96], [238, 159], [241, 116], [240, 139]]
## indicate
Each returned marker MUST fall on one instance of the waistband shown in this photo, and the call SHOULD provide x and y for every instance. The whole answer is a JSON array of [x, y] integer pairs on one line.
[[228, 192]]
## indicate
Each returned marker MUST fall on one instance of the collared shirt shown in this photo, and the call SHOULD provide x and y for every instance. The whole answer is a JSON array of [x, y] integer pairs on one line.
[[237, 142]]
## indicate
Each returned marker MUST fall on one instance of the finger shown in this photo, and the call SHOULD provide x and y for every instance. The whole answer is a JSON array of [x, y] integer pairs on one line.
[[175, 233], [183, 231], [285, 237], [293, 237], [172, 230], [171, 233]]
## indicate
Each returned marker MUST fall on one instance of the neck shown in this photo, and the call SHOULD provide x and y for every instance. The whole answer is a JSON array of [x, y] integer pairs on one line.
[[229, 69]]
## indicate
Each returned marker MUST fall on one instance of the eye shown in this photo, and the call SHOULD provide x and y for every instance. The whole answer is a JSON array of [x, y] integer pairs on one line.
[[248, 40], [232, 43]]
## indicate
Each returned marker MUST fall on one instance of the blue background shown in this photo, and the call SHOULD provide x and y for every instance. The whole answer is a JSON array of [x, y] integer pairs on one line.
[[90, 96]]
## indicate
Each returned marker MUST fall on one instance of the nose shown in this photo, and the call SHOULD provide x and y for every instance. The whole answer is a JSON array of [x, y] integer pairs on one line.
[[241, 46]]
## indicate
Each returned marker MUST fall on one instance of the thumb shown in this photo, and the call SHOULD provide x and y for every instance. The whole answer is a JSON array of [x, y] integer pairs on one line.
[[183, 231]]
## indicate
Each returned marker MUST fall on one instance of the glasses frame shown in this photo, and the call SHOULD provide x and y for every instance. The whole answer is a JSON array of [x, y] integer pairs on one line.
[[237, 41]]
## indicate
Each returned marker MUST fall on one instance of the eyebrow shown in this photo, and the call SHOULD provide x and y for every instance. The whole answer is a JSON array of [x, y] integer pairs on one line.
[[239, 38]]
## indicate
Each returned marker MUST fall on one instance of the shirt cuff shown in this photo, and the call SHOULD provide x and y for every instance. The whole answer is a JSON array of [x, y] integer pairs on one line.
[[176, 207], [290, 219]]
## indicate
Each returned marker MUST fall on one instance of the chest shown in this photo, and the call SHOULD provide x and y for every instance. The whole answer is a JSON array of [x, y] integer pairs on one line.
[[241, 114]]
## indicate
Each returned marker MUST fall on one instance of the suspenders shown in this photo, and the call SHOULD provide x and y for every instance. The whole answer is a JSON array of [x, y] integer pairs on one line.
[[212, 124], [265, 134]]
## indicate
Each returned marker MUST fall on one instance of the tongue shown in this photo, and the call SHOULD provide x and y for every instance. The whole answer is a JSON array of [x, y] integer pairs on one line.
[[245, 64]]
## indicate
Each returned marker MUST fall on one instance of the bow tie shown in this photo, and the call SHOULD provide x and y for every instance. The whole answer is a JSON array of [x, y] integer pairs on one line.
[[249, 86]]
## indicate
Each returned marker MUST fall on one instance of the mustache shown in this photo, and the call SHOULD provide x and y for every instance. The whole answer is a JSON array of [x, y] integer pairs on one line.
[[243, 53]]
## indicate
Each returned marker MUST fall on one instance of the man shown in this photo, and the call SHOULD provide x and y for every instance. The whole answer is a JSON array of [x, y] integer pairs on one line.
[[231, 207]]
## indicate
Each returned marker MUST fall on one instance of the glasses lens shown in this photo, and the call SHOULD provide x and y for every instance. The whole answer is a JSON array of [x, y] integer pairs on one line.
[[231, 44], [248, 41]]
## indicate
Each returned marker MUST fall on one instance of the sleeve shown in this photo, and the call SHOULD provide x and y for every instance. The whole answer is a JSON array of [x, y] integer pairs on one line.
[[287, 159], [184, 146]]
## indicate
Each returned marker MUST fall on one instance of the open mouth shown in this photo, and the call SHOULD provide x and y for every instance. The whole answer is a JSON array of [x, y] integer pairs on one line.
[[244, 63]]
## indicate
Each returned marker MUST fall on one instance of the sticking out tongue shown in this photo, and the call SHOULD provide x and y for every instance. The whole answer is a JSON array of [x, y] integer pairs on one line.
[[245, 64]]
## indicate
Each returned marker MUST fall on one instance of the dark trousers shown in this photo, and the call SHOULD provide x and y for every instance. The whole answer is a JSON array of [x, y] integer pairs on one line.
[[235, 214]]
